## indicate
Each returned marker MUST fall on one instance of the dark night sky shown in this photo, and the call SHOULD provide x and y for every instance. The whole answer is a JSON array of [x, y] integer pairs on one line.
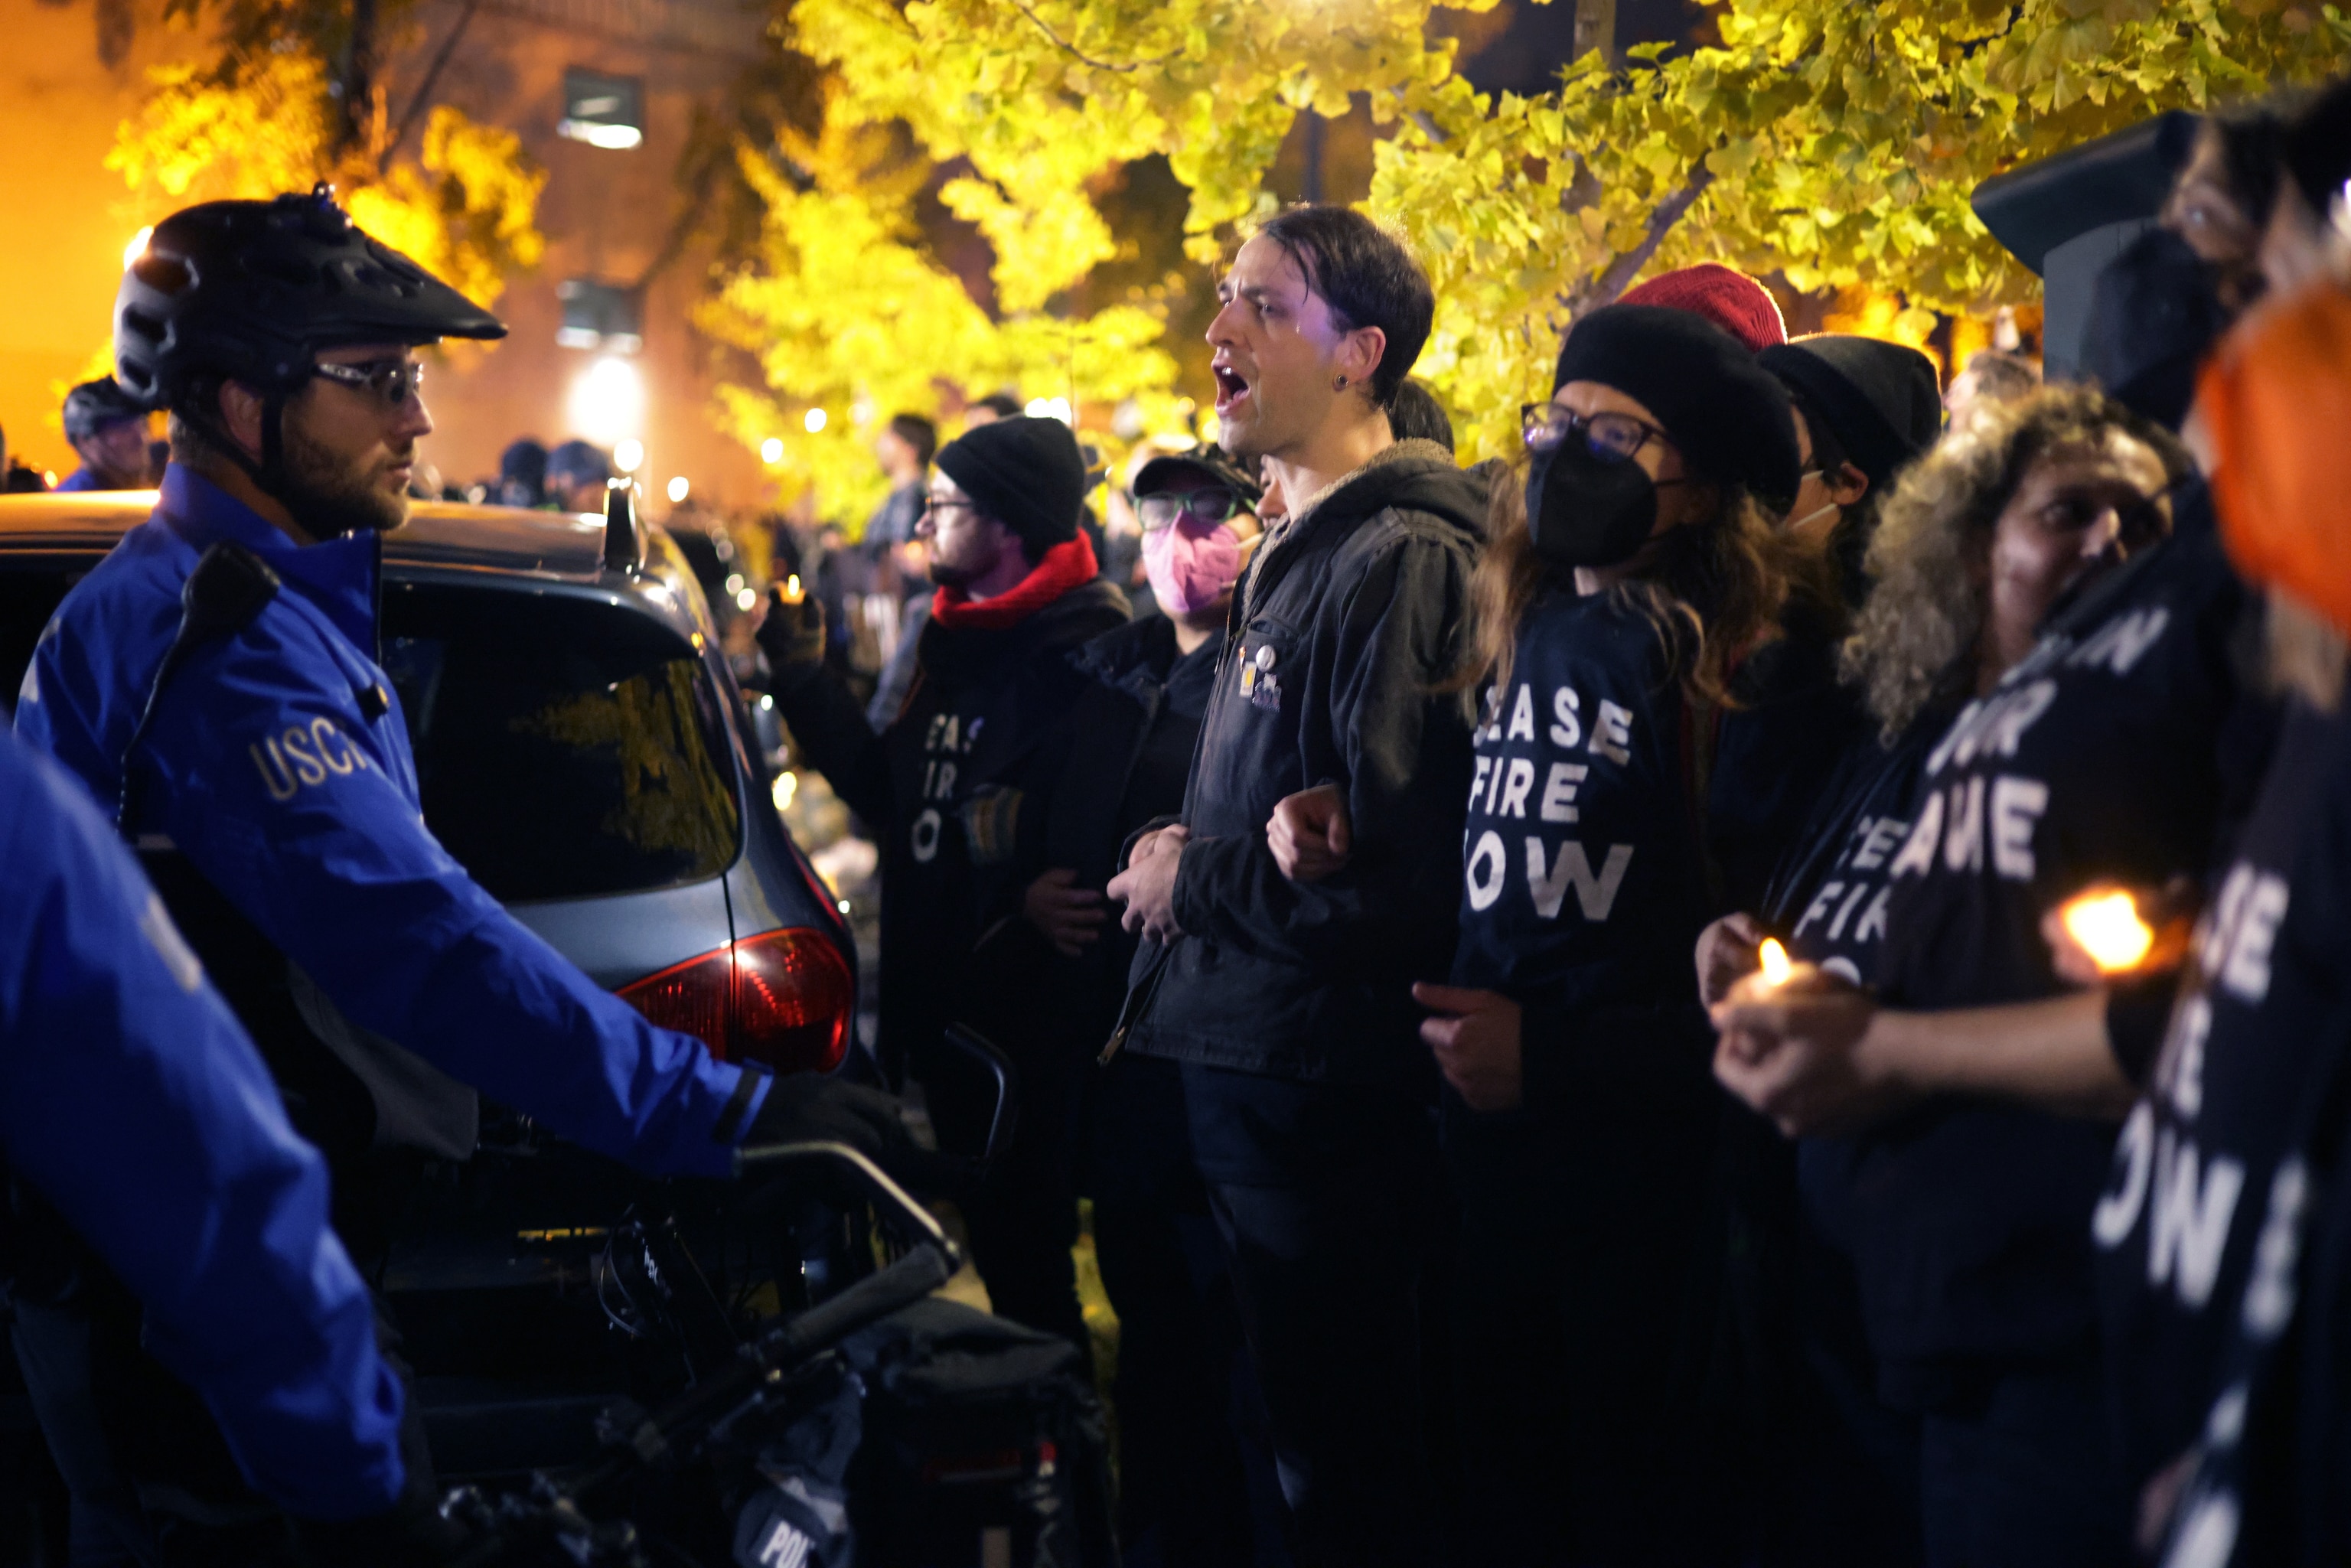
[[1528, 54]]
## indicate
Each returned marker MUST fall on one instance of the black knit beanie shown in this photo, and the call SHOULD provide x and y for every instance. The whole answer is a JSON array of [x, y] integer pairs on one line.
[[1729, 418], [1025, 473], [1882, 401]]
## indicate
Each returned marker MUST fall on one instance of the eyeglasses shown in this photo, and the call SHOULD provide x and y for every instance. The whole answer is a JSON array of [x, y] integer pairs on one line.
[[393, 381], [933, 505], [1161, 508], [1611, 437]]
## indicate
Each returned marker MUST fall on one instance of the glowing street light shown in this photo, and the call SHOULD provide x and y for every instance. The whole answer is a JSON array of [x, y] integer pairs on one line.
[[771, 451], [677, 489], [607, 400], [814, 421]]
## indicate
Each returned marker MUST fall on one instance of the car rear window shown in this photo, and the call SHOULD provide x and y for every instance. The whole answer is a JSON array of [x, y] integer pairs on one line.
[[565, 747]]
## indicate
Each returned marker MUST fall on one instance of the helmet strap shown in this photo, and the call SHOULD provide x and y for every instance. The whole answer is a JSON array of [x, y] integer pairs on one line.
[[271, 474], [268, 475]]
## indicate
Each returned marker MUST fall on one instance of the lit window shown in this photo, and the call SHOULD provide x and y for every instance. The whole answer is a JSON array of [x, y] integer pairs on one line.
[[600, 316], [601, 110]]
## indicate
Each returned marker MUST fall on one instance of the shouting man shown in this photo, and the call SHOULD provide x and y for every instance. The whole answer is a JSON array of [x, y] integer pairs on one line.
[[1289, 1005]]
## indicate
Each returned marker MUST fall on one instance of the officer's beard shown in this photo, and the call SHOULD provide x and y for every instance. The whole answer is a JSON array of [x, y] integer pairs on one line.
[[330, 495]]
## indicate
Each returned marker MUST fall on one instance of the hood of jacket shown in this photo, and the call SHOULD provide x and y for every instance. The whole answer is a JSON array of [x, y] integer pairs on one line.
[[1409, 476], [1130, 658]]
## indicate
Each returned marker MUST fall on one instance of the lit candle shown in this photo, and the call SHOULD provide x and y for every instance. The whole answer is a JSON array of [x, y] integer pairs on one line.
[[792, 594], [2107, 926], [1774, 961]]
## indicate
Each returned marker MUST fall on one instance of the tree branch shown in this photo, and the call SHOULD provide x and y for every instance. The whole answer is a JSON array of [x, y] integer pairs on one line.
[[1419, 117], [1080, 55], [1613, 279], [423, 93]]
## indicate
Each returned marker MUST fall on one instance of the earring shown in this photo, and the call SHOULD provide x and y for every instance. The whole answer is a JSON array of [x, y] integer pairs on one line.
[[1338, 385]]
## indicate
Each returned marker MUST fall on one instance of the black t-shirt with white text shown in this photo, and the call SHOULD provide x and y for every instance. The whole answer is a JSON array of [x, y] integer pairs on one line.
[[2179, 1224], [1828, 903], [2111, 752], [1579, 884]]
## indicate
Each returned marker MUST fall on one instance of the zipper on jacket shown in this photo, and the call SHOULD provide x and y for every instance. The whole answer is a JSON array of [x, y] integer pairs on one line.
[[1138, 1002]]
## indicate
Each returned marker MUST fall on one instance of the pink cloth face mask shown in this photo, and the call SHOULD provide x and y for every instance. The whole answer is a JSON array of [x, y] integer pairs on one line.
[[1191, 564]]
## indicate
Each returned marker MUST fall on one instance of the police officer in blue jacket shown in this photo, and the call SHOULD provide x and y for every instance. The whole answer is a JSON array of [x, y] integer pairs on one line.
[[260, 759], [110, 1041], [108, 431]]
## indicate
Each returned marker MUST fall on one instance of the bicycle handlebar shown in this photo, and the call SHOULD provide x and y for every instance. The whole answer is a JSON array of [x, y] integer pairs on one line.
[[758, 1367]]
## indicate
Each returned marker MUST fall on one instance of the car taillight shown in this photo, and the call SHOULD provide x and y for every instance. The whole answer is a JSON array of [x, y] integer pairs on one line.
[[781, 1000]]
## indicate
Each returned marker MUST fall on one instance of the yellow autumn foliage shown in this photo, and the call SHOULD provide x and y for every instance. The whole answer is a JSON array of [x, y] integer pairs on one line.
[[256, 125]]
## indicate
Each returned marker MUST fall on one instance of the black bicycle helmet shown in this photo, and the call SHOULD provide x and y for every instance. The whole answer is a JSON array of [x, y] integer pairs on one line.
[[252, 291], [93, 405]]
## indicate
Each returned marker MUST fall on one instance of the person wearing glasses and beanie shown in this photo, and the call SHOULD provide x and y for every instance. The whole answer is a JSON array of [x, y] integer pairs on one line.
[[1626, 609], [958, 789]]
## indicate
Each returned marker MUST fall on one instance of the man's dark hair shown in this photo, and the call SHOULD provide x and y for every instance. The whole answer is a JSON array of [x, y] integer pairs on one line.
[[1417, 415], [2252, 138], [1004, 403], [1368, 279], [2318, 148], [917, 432], [190, 447]]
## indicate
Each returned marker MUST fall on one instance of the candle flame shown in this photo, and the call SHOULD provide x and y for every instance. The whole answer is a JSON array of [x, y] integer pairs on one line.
[[2107, 926], [792, 594], [1774, 959]]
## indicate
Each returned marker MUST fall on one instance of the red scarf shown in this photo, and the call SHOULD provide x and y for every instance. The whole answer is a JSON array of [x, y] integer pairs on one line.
[[1068, 565]]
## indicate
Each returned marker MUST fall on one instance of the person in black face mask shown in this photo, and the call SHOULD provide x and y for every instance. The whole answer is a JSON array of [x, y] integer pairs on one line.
[[1618, 618], [2160, 306]]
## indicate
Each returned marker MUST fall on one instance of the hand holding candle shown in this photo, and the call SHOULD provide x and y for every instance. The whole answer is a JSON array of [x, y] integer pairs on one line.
[[789, 628], [1775, 977], [2108, 932], [2106, 927]]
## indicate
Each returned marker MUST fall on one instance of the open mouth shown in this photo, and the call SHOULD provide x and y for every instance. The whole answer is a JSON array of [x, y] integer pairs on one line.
[[1230, 388]]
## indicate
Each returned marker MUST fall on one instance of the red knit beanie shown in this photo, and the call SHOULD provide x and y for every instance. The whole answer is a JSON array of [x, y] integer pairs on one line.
[[1723, 295]]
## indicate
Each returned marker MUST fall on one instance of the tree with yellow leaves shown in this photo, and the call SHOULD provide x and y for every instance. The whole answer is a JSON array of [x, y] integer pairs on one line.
[[290, 94], [1839, 144], [1012, 119]]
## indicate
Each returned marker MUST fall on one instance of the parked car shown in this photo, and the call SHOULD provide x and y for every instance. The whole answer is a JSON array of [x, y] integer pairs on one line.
[[584, 751]]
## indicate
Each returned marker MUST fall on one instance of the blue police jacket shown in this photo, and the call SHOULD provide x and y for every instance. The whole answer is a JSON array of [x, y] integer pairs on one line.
[[132, 1100], [279, 763]]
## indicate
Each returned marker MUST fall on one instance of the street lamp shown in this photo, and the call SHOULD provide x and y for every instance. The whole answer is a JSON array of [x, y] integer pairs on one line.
[[607, 400]]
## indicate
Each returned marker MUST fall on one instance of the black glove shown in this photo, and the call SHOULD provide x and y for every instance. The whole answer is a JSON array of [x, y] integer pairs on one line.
[[410, 1535], [810, 1108], [792, 633]]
